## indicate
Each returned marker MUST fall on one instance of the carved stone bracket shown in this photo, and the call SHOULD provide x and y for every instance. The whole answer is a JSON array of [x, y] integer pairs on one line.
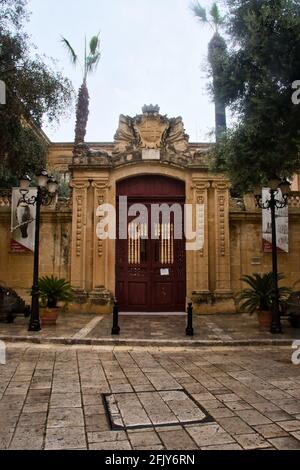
[[201, 185], [80, 184], [100, 184], [221, 185]]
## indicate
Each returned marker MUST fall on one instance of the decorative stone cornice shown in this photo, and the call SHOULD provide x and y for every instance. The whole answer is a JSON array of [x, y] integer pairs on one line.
[[200, 184], [221, 185], [80, 184], [100, 184], [85, 155]]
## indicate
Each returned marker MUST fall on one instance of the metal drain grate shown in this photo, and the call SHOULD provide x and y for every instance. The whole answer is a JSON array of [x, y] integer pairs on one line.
[[134, 410]]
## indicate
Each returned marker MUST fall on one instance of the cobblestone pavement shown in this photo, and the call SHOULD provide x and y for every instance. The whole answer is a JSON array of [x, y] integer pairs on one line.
[[51, 397], [96, 329]]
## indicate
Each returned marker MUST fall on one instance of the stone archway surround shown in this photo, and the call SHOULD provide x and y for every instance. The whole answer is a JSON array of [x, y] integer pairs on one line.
[[93, 260]]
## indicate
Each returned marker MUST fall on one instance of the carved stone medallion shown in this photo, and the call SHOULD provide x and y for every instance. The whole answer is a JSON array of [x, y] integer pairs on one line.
[[151, 129]]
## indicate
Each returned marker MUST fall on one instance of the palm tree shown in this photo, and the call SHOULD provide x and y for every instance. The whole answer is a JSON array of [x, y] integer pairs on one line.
[[217, 51], [91, 61]]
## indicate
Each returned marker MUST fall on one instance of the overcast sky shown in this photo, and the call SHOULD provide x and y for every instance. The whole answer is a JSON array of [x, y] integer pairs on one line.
[[153, 51]]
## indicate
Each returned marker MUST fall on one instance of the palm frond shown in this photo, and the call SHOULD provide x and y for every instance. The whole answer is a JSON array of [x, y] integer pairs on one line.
[[53, 288], [199, 12], [284, 293], [92, 61], [95, 44], [72, 53], [260, 294], [215, 13]]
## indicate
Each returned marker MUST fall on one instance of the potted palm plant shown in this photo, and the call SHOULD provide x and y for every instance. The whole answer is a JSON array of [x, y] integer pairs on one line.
[[258, 296], [52, 291]]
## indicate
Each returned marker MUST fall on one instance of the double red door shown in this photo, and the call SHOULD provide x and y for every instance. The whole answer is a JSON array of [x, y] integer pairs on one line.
[[151, 262]]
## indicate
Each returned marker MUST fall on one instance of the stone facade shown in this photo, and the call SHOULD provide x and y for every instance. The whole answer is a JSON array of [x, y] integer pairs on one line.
[[148, 144], [16, 269]]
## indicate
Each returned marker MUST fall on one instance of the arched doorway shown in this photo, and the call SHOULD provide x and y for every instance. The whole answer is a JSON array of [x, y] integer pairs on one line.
[[151, 261]]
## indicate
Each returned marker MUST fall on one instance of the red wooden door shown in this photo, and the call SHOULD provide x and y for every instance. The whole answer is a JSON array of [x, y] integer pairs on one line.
[[151, 270]]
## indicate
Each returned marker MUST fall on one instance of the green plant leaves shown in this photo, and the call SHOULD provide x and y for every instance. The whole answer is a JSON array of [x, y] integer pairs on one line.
[[55, 290], [258, 296]]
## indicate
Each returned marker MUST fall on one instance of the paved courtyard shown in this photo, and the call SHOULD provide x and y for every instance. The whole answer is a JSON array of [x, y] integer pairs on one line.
[[148, 330], [122, 398]]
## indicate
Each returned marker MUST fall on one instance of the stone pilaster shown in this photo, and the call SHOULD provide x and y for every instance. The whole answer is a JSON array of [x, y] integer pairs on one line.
[[78, 258], [100, 188], [200, 259], [222, 238]]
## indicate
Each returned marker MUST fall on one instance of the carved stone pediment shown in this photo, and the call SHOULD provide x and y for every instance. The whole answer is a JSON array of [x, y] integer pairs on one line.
[[145, 137], [126, 139], [148, 131], [175, 138]]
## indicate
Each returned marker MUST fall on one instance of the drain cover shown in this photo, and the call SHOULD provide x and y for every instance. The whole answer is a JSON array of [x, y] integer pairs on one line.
[[148, 409]]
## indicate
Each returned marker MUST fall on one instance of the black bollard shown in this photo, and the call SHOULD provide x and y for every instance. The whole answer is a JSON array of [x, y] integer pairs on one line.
[[115, 329], [190, 329]]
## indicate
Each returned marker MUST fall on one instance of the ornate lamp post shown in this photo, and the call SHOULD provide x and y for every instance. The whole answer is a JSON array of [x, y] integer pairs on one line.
[[46, 192], [272, 204]]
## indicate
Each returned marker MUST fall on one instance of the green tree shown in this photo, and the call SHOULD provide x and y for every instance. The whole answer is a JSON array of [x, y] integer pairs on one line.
[[34, 92], [91, 61], [262, 65], [217, 54]]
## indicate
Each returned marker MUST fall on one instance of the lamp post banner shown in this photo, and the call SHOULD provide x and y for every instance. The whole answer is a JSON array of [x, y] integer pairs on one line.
[[282, 225], [23, 218]]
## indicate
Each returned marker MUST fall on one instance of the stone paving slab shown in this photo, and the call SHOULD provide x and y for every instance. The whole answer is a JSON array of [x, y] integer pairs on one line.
[[35, 417], [93, 330]]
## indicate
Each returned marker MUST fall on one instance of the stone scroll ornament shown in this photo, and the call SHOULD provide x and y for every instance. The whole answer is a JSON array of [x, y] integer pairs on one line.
[[150, 130], [84, 154]]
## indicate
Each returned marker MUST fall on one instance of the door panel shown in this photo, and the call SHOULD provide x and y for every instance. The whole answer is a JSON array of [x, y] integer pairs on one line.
[[151, 273], [138, 294], [163, 294]]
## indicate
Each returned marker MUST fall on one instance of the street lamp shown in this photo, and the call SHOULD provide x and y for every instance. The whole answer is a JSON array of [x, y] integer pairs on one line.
[[272, 204], [46, 192]]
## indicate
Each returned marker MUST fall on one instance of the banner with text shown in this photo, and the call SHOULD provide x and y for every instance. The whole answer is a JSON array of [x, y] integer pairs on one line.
[[282, 225], [22, 222]]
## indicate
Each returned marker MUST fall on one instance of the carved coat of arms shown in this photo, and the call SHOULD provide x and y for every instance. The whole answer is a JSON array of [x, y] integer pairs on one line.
[[151, 131]]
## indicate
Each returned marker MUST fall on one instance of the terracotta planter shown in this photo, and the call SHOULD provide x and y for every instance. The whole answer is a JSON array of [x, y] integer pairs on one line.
[[49, 316], [264, 319]]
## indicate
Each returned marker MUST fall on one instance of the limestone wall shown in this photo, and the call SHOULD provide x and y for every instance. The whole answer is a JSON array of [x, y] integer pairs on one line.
[[16, 270], [213, 275], [247, 255]]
